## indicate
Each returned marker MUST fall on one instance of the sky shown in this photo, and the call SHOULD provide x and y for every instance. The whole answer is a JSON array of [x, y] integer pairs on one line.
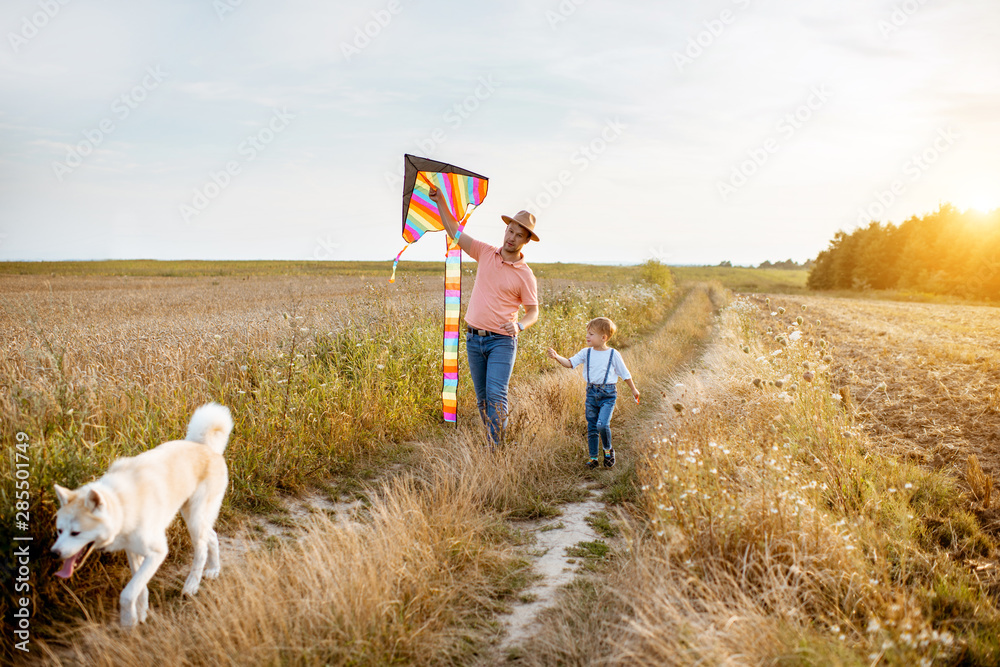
[[687, 132]]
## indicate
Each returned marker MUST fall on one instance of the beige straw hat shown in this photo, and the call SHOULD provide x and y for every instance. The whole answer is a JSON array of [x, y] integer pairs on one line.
[[524, 219]]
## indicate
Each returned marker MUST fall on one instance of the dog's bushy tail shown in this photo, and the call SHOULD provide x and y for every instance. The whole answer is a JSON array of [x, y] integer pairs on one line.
[[211, 425]]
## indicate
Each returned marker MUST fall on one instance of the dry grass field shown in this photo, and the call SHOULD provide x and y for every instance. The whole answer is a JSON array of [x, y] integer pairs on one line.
[[334, 383], [795, 487]]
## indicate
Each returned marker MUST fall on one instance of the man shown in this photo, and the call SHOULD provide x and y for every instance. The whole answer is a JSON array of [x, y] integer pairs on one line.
[[504, 282]]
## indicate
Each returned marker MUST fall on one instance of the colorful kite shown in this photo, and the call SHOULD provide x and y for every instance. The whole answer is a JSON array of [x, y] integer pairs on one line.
[[464, 191]]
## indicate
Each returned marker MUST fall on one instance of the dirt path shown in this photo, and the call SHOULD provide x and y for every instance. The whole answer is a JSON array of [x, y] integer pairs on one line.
[[658, 360], [299, 508], [553, 565]]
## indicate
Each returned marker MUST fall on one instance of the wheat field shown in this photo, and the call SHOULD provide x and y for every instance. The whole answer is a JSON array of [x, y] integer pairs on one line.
[[806, 481]]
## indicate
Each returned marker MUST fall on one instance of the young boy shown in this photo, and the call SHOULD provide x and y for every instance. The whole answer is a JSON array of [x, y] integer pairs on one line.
[[604, 366]]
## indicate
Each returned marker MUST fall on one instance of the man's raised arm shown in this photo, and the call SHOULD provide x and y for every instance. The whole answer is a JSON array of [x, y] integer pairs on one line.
[[450, 224]]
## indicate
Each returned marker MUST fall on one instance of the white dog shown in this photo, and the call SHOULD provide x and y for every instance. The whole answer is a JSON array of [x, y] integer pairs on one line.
[[131, 506]]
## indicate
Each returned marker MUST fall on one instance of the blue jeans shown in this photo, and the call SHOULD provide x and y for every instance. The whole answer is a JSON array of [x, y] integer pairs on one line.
[[491, 361], [600, 404]]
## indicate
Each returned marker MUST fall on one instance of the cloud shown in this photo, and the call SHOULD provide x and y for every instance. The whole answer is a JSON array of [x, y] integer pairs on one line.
[[559, 81]]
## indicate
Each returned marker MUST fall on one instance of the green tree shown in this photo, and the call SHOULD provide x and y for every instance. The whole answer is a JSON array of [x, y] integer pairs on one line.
[[944, 252]]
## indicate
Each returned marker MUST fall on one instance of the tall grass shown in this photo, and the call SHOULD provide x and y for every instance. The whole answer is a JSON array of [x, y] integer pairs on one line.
[[416, 582], [309, 387]]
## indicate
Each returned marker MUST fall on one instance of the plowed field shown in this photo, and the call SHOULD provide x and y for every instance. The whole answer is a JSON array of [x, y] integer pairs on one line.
[[940, 365]]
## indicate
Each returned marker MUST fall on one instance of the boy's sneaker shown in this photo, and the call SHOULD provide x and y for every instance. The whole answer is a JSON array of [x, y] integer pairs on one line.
[[592, 463], [609, 458]]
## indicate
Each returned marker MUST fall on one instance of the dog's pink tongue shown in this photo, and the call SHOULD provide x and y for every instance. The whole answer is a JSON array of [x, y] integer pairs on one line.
[[67, 569]]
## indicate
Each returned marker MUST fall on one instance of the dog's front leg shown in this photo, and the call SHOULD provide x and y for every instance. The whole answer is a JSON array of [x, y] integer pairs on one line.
[[136, 588], [142, 603]]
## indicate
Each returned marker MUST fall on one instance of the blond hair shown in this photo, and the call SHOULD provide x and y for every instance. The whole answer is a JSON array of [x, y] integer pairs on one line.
[[602, 326]]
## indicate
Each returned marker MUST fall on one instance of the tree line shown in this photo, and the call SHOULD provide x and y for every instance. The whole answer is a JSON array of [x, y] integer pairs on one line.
[[947, 252], [788, 264]]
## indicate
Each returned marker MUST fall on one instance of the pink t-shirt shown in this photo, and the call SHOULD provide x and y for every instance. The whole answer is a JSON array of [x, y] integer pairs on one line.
[[500, 288]]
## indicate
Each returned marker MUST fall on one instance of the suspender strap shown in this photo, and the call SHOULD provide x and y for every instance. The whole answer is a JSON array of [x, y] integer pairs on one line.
[[607, 370]]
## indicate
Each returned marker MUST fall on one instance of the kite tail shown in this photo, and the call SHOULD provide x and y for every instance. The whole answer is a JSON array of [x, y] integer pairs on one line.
[[452, 313], [392, 278]]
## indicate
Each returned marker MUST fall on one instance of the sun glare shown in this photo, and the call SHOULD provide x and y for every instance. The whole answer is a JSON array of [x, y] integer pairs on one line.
[[977, 194], [980, 204]]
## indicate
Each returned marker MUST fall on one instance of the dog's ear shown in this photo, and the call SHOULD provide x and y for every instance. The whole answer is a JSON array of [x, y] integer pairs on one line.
[[63, 494], [93, 501]]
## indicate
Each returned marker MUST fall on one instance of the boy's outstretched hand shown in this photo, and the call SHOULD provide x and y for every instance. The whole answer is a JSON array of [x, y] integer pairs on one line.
[[562, 361]]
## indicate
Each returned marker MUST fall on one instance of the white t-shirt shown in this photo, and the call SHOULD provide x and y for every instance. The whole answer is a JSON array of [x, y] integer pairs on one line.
[[599, 362]]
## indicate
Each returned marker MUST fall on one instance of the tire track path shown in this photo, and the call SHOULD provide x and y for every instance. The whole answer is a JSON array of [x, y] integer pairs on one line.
[[656, 362]]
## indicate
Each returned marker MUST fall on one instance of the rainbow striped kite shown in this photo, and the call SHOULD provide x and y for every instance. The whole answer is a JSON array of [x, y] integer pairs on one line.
[[464, 191]]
